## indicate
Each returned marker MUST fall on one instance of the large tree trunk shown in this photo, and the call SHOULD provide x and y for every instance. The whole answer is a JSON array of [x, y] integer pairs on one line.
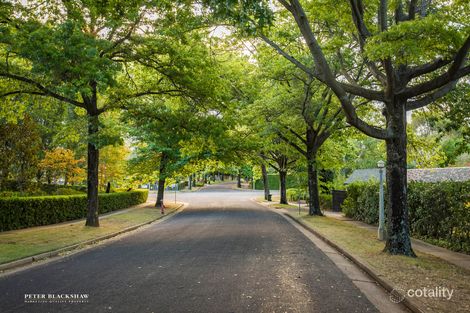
[[283, 187], [161, 182], [239, 180], [264, 173], [314, 198], [92, 173], [398, 232]]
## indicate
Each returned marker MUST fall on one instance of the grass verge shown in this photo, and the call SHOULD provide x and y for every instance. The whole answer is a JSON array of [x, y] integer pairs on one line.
[[425, 271], [18, 244]]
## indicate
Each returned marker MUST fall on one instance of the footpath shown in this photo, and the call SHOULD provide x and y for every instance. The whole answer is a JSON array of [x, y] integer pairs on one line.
[[460, 259], [437, 280]]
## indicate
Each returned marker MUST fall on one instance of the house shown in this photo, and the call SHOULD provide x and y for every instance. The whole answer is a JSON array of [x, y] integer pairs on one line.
[[428, 175]]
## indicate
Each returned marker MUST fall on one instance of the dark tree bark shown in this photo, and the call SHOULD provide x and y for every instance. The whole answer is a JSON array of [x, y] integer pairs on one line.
[[108, 187], [314, 198], [239, 180], [264, 173], [222, 177], [313, 142], [398, 240], [92, 172], [161, 181], [283, 187], [160, 191]]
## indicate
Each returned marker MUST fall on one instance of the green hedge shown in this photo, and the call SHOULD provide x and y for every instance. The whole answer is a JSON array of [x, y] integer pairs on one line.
[[16, 213], [438, 212], [273, 181]]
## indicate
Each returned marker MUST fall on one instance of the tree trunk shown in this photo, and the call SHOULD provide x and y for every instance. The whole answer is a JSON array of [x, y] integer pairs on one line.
[[314, 201], [239, 180], [108, 187], [264, 172], [190, 182], [92, 172], [398, 232], [222, 177], [160, 192], [161, 182], [282, 187]]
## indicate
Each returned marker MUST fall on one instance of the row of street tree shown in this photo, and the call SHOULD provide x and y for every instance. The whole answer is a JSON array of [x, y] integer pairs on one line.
[[168, 89]]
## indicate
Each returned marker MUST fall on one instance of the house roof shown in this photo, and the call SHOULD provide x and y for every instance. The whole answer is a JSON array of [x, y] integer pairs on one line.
[[429, 175]]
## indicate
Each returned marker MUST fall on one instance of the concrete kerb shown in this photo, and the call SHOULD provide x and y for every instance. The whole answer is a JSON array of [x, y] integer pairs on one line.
[[31, 259], [410, 304]]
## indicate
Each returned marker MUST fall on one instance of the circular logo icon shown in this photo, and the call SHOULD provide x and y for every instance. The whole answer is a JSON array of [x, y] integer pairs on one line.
[[397, 295]]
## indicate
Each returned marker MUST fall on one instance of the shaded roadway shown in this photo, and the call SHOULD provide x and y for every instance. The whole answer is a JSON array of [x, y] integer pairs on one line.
[[223, 253]]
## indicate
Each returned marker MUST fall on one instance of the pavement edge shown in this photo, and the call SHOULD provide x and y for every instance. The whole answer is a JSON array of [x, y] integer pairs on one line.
[[34, 258], [411, 305]]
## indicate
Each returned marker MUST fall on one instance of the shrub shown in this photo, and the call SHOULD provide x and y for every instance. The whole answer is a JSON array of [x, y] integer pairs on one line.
[[67, 192], [293, 194], [438, 212], [326, 201], [16, 213]]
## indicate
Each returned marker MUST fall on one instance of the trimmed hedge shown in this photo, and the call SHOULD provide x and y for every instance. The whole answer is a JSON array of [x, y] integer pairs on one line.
[[273, 181], [438, 212], [16, 213]]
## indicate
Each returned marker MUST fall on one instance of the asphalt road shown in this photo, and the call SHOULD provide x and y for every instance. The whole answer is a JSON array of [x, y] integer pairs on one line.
[[223, 253]]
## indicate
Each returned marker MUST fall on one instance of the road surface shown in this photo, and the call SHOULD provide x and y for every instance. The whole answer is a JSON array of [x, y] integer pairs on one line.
[[223, 253]]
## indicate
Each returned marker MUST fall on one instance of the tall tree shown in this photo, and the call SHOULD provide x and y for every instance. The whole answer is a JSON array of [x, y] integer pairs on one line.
[[407, 68], [86, 54], [280, 159]]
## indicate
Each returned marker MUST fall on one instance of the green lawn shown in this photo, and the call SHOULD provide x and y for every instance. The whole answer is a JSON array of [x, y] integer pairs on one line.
[[404, 272], [22, 243]]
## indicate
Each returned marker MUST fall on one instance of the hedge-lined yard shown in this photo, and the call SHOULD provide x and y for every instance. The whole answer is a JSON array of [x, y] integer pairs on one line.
[[438, 212], [17, 213]]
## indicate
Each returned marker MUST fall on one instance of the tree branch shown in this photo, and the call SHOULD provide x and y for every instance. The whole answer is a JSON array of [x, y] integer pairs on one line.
[[357, 10], [16, 92], [324, 72], [44, 90], [292, 144], [424, 101], [286, 55], [427, 68], [433, 84]]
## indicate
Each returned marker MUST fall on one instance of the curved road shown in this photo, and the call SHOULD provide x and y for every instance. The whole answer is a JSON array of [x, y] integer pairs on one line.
[[223, 253]]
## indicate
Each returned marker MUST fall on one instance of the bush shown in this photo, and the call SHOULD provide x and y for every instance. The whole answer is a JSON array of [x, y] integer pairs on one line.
[[294, 193], [438, 212], [326, 201], [68, 192], [362, 202], [16, 213]]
